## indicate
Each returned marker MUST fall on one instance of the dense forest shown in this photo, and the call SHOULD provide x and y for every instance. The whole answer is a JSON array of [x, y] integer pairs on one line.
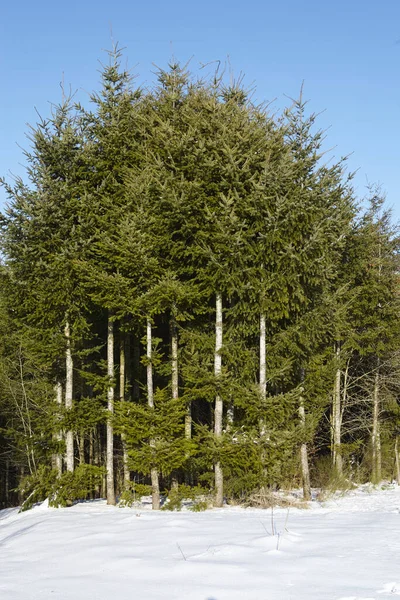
[[192, 298]]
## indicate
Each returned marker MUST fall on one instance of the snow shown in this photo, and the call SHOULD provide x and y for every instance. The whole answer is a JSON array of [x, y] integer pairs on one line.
[[347, 548]]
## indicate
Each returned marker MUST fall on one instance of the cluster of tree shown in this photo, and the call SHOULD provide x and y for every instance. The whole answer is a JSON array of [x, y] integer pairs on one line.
[[190, 294]]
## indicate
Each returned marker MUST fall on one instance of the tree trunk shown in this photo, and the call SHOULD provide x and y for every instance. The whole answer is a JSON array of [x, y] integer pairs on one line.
[[263, 365], [218, 412], [155, 484], [230, 415], [7, 482], [175, 377], [122, 378], [263, 384], [98, 461], [69, 385], [136, 369], [397, 459], [80, 441], [262, 369], [376, 436], [57, 460], [376, 433], [305, 471], [91, 448], [21, 477], [188, 422], [91, 458], [110, 407], [174, 359], [337, 418]]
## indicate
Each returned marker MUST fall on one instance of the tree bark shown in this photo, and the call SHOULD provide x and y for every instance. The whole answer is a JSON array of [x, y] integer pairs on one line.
[[21, 476], [263, 364], [58, 436], [218, 412], [110, 407], [188, 422], [122, 379], [337, 418], [305, 470], [69, 385], [230, 415], [262, 369], [175, 376], [263, 383], [397, 459], [80, 441], [376, 435], [98, 461], [155, 483], [174, 359], [91, 447], [136, 369], [7, 482]]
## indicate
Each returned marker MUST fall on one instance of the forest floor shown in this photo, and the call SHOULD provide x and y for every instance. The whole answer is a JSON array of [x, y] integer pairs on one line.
[[346, 548]]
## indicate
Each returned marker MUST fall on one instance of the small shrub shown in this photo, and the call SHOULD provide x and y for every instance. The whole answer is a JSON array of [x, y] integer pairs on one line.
[[267, 498], [61, 491], [133, 493], [325, 477], [77, 485], [37, 487], [199, 506], [192, 497]]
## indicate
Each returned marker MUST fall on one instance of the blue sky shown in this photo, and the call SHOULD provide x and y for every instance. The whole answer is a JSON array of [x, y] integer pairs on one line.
[[347, 53]]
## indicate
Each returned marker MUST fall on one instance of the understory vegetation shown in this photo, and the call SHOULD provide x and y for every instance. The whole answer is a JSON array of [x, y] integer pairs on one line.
[[194, 303]]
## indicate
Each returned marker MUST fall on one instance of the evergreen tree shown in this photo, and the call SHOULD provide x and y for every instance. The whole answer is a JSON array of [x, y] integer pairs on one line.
[[43, 236], [254, 306]]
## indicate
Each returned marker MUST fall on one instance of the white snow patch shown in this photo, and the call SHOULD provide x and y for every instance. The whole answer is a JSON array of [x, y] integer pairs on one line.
[[347, 548], [391, 588]]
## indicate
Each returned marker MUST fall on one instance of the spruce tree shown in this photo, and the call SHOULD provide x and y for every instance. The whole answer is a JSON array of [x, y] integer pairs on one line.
[[112, 143], [43, 237]]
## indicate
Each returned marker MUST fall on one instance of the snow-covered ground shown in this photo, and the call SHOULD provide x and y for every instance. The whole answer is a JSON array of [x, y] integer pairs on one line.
[[347, 548]]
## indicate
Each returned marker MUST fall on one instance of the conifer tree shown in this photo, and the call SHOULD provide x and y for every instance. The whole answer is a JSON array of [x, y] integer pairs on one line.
[[112, 146], [186, 222], [43, 237], [374, 313]]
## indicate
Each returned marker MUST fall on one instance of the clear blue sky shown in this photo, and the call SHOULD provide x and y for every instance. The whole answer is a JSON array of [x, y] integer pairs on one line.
[[347, 52]]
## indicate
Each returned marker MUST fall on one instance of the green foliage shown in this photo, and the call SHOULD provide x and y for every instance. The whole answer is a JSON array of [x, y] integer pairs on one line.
[[163, 424], [37, 487], [78, 485], [144, 208], [192, 497], [133, 493], [62, 491], [84, 416], [326, 477]]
